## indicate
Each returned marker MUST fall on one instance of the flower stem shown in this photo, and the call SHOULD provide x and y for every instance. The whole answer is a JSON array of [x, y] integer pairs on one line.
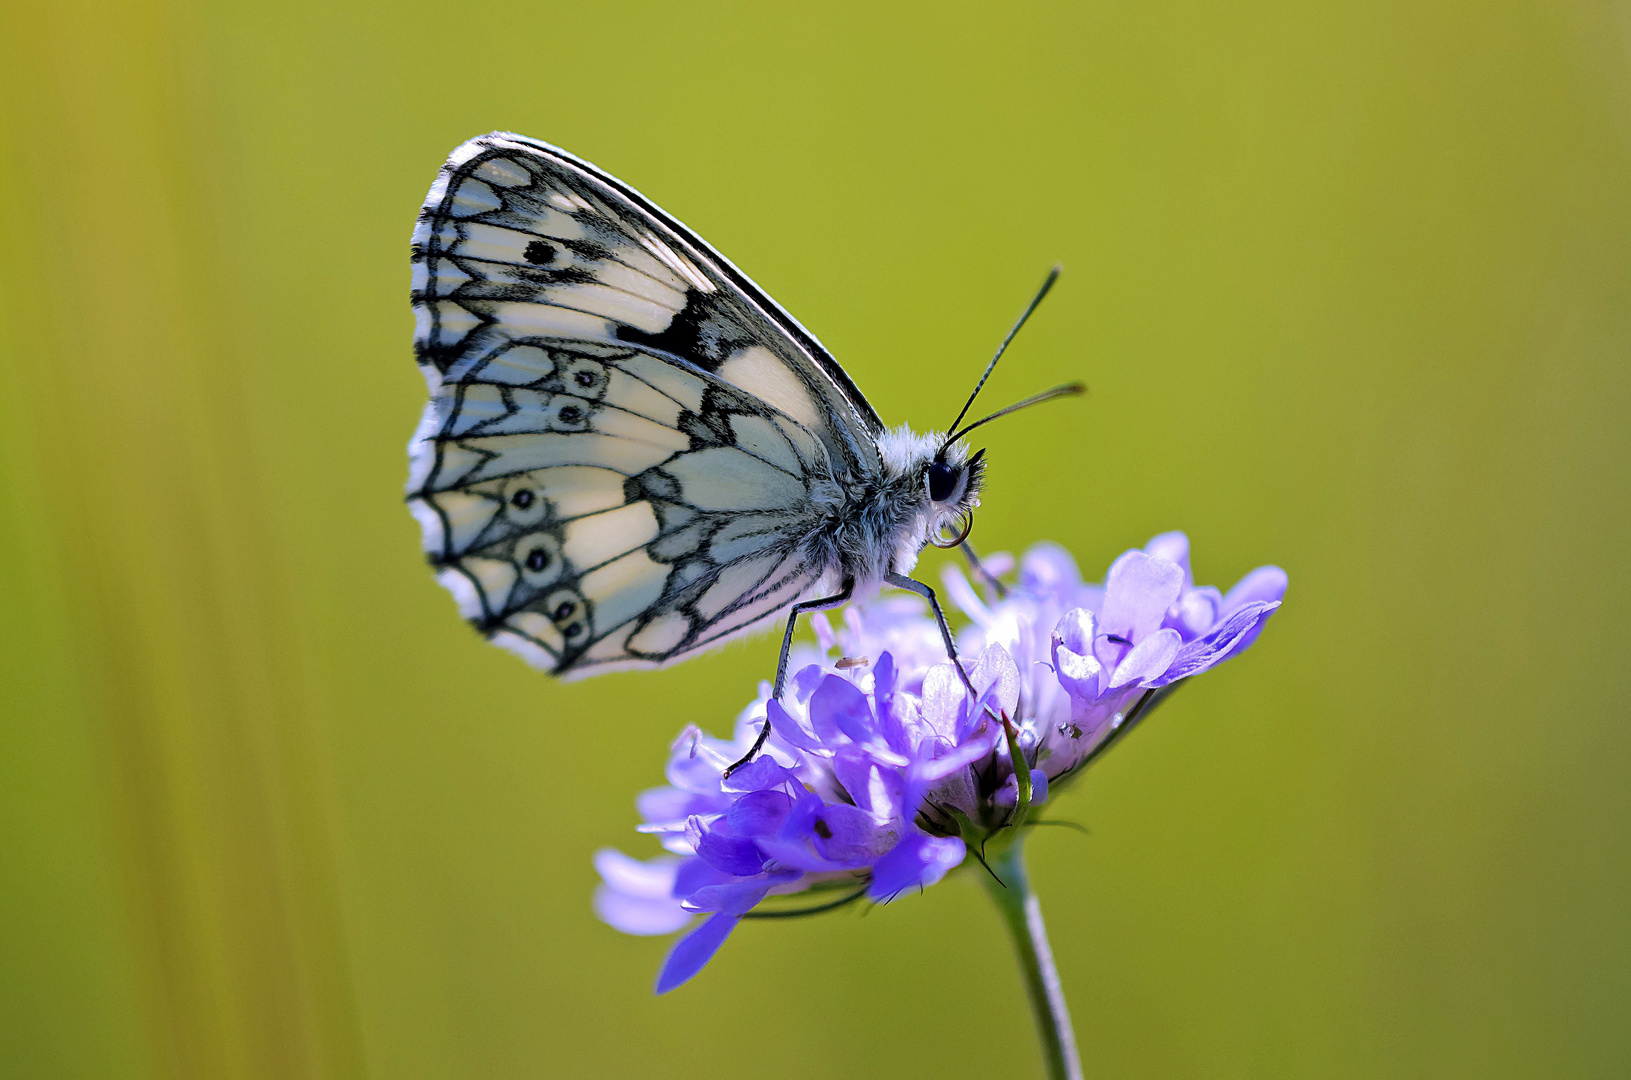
[[1022, 913]]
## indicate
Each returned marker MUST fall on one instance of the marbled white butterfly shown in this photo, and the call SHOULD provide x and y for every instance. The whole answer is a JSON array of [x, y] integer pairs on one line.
[[631, 453]]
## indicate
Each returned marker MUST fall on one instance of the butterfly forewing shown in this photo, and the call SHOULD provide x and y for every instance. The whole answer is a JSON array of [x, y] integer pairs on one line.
[[626, 442]]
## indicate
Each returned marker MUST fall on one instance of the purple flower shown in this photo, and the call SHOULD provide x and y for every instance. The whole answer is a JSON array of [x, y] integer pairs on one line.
[[880, 771]]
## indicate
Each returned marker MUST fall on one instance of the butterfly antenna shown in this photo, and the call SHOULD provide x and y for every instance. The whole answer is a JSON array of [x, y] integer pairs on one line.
[[1067, 390], [1053, 276]]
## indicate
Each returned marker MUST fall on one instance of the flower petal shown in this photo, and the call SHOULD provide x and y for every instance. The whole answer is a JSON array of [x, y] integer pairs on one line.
[[635, 915], [918, 861], [1195, 612], [960, 756], [758, 813], [783, 724], [997, 677], [737, 897], [694, 874], [806, 680], [669, 805], [729, 854], [1149, 659], [1265, 583], [652, 880], [1137, 593], [691, 952], [1173, 547], [1008, 794], [846, 834], [838, 705], [1233, 635], [884, 680], [961, 593], [1049, 569], [1077, 669], [945, 699], [760, 774]]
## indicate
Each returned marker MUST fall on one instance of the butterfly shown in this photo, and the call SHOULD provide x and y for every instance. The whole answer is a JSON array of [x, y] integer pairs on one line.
[[631, 454]]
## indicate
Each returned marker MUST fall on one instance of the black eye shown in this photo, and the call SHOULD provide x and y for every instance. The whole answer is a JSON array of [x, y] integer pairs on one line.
[[942, 481]]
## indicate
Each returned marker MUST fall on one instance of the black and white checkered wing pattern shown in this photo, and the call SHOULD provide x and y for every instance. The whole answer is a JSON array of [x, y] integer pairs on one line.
[[624, 448]]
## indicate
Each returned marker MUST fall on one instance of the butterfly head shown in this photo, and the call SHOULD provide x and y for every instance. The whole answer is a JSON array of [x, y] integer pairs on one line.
[[951, 481]]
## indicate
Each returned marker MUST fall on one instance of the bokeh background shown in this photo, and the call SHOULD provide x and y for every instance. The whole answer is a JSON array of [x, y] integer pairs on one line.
[[1349, 282]]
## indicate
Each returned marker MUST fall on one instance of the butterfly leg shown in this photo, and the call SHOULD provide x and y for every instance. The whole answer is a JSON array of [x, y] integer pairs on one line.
[[979, 569], [826, 603], [901, 581]]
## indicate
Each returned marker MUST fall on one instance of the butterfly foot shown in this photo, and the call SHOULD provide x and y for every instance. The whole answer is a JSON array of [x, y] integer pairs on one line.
[[758, 744]]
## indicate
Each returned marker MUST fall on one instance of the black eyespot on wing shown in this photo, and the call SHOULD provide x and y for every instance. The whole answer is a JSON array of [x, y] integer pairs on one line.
[[538, 253], [942, 481]]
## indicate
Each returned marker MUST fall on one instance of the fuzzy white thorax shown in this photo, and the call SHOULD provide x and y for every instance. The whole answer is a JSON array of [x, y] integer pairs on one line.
[[903, 450]]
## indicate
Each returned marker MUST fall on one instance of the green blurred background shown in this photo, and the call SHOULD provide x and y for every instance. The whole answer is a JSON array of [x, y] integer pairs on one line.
[[1349, 282]]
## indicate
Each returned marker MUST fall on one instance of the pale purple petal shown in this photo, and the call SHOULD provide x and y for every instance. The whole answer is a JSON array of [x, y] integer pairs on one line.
[[634, 915], [997, 677], [631, 877], [736, 897], [838, 706], [918, 861], [691, 952], [1173, 547], [961, 756], [1245, 640], [854, 769], [806, 681], [1265, 583], [729, 854], [667, 804], [758, 813], [1075, 666], [1137, 594], [846, 834], [788, 728], [1008, 794], [961, 593], [1233, 635], [883, 703], [759, 774], [1149, 659], [1195, 612], [694, 874], [1049, 569], [945, 700], [693, 764]]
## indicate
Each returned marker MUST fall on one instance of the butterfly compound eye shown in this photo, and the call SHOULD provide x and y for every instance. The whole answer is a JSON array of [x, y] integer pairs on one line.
[[942, 481]]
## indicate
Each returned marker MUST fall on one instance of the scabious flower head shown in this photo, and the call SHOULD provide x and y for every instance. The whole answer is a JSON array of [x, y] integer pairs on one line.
[[880, 769]]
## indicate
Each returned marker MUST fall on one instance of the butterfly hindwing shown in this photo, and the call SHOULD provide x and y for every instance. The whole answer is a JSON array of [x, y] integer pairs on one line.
[[622, 456]]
